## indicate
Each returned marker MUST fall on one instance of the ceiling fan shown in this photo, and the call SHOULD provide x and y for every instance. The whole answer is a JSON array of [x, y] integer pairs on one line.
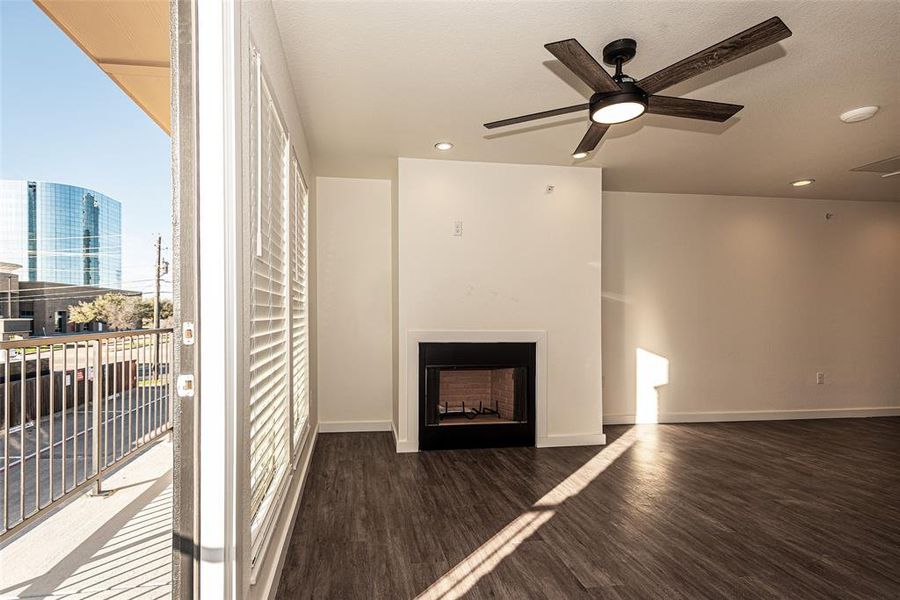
[[620, 98]]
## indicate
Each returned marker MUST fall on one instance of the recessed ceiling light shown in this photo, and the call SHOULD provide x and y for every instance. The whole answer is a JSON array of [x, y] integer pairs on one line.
[[859, 114], [443, 145], [579, 155], [802, 182]]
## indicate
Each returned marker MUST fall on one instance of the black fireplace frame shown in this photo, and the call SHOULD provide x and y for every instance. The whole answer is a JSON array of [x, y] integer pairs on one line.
[[477, 355]]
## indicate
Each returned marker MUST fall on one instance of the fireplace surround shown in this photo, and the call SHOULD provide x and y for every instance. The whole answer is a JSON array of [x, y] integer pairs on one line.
[[476, 394]]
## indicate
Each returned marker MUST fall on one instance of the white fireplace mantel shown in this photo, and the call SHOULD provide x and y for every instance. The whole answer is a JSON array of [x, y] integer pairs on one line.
[[407, 437]]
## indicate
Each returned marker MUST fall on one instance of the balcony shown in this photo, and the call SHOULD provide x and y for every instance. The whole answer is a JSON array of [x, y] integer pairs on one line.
[[84, 413]]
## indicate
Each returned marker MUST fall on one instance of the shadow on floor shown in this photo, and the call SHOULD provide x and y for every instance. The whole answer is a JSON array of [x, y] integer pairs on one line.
[[101, 547]]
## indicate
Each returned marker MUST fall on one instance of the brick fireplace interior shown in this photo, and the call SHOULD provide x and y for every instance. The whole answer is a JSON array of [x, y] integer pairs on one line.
[[470, 396]]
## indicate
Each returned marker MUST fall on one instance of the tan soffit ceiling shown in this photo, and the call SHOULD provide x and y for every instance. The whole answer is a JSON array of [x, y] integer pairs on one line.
[[379, 80], [129, 41]]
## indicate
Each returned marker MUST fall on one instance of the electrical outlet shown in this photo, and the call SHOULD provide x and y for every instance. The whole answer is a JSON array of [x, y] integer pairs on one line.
[[820, 378], [457, 228]]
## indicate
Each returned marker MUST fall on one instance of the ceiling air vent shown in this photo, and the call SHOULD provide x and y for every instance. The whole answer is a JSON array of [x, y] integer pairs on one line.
[[887, 167]]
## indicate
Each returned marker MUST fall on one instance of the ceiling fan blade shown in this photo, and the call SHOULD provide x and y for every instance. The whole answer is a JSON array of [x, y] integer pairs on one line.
[[592, 137], [751, 40], [579, 61], [691, 109], [538, 115]]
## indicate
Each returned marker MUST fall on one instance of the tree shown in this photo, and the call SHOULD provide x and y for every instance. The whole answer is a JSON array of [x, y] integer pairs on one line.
[[84, 312], [118, 311], [123, 312], [165, 312]]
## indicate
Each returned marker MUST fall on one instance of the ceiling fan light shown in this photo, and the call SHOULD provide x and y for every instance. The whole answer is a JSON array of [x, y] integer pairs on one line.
[[628, 103], [619, 112]]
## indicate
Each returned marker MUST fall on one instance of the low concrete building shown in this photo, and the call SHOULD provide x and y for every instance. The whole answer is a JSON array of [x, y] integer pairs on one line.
[[47, 304], [40, 308]]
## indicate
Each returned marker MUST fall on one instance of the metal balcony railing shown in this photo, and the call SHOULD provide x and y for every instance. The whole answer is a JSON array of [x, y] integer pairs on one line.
[[74, 407]]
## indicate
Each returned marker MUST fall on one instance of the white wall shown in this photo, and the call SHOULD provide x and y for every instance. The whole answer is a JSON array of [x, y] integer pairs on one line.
[[747, 299], [354, 299], [527, 260]]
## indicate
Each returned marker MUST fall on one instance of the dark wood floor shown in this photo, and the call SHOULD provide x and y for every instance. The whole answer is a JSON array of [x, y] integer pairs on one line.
[[791, 509]]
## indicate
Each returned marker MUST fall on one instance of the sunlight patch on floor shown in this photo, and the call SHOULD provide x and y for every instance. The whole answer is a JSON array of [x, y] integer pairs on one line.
[[461, 578]]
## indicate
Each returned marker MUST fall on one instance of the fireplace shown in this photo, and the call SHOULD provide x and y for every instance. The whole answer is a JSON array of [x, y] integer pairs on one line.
[[476, 395]]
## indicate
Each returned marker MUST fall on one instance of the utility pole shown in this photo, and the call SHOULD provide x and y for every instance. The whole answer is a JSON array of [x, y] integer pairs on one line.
[[161, 269], [158, 277]]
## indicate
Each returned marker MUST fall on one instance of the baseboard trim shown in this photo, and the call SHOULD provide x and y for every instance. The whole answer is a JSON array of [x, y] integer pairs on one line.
[[402, 445], [550, 441], [269, 586], [761, 415], [577, 439], [353, 426]]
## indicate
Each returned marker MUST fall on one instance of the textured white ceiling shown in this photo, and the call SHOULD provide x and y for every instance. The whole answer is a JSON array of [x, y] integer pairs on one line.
[[375, 81]]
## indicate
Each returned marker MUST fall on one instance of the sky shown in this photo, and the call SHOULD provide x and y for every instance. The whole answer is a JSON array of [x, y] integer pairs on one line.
[[64, 120]]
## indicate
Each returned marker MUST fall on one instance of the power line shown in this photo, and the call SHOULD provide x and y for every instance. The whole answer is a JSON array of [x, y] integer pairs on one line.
[[77, 294], [50, 268], [91, 295], [58, 284], [69, 286], [75, 298], [77, 245], [26, 290], [77, 254], [73, 237], [79, 269]]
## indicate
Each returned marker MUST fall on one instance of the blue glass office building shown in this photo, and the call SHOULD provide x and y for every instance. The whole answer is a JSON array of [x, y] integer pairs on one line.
[[61, 233]]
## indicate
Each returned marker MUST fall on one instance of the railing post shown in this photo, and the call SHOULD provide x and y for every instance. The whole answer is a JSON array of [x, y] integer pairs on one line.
[[95, 390]]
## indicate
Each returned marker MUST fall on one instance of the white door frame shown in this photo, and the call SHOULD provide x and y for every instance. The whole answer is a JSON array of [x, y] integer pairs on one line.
[[219, 285]]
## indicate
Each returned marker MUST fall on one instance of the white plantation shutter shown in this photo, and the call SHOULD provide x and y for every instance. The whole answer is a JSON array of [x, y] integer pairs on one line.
[[268, 377], [279, 311], [299, 247]]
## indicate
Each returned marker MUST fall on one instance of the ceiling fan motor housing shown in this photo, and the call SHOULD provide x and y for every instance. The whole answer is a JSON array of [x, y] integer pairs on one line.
[[619, 51]]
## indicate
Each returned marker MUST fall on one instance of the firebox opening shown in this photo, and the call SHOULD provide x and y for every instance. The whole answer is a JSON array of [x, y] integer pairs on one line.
[[476, 394]]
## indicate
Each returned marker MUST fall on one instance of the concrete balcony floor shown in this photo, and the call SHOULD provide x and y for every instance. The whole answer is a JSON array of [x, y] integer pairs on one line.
[[117, 546]]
